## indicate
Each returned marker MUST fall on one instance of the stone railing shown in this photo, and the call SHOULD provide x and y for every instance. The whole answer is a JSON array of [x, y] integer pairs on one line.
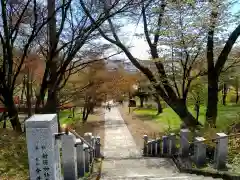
[[51, 152], [197, 150]]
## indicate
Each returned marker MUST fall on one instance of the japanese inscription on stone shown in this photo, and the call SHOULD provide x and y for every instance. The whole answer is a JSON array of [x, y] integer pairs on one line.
[[41, 146], [42, 168]]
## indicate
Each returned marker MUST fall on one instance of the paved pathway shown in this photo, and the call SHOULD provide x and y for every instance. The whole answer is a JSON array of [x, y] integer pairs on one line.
[[118, 142], [123, 159]]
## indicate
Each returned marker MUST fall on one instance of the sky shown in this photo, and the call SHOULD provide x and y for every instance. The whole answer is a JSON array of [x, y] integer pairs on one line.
[[140, 47]]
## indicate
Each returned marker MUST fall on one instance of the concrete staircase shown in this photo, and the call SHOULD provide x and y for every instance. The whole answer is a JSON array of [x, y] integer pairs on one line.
[[124, 161], [145, 169]]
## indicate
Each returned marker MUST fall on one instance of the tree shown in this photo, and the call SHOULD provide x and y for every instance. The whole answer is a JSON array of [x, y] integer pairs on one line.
[[161, 82], [119, 82], [20, 25], [145, 91], [215, 66], [68, 44]]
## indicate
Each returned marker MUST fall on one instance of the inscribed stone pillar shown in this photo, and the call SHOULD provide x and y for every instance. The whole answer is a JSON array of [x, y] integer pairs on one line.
[[69, 157], [43, 148]]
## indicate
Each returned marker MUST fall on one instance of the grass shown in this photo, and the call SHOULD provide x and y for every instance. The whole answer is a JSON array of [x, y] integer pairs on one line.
[[13, 156], [66, 116], [63, 115], [227, 115]]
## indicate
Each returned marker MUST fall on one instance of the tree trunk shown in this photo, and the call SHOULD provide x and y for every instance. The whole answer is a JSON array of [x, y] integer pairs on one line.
[[13, 115], [52, 107], [12, 110], [22, 93], [237, 95], [86, 108], [211, 113], [51, 104], [224, 94], [91, 107], [29, 96], [73, 112], [83, 113], [141, 101], [197, 112], [181, 109], [159, 106], [3, 118], [86, 112], [4, 124]]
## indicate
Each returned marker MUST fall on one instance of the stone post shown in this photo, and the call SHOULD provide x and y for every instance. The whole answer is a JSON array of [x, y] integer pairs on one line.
[[149, 147], [155, 147], [80, 158], [98, 147], [158, 146], [93, 145], [164, 144], [86, 155], [145, 147], [154, 142], [184, 144], [171, 144], [69, 157], [221, 151], [43, 148], [88, 138], [199, 151]]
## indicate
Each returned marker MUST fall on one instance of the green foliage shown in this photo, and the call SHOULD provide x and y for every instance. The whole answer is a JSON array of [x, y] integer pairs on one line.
[[86, 174], [231, 96], [66, 117], [198, 88], [236, 163]]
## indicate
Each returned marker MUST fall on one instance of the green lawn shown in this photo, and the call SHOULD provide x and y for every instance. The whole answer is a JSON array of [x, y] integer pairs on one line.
[[64, 116], [169, 119]]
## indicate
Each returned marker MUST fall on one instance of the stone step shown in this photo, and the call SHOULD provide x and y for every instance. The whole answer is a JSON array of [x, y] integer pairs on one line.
[[160, 178], [178, 176], [145, 169]]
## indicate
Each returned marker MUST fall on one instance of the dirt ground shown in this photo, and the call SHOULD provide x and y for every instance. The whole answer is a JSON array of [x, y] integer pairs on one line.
[[94, 124], [138, 127]]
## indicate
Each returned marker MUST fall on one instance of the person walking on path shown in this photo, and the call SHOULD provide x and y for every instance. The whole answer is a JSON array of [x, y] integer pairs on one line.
[[109, 107]]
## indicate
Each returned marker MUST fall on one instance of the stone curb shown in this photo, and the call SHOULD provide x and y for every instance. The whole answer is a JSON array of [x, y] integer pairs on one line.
[[223, 175]]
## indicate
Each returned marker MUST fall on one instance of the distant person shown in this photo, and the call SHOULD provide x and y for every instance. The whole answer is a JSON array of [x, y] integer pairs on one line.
[[109, 107]]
